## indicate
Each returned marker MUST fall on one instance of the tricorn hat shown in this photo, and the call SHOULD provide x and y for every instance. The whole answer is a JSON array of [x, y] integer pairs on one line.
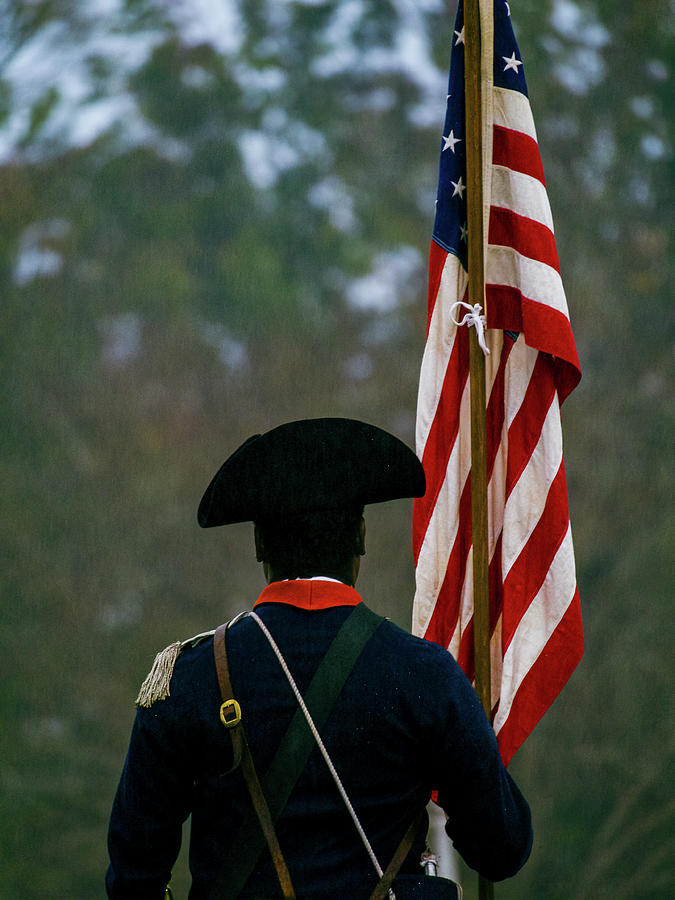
[[310, 465]]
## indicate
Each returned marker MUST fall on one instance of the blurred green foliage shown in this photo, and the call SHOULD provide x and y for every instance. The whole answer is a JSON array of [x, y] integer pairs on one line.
[[197, 269]]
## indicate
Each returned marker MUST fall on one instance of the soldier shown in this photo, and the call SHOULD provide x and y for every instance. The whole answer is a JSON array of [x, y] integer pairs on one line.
[[397, 716]]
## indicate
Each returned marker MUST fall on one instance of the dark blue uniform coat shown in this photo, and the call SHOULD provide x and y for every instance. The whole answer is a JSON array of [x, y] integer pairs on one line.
[[407, 722]]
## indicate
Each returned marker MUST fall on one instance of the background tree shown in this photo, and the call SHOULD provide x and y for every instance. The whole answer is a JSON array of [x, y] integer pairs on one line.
[[215, 217]]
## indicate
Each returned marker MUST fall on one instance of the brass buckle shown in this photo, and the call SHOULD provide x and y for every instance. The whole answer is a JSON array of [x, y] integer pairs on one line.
[[230, 713]]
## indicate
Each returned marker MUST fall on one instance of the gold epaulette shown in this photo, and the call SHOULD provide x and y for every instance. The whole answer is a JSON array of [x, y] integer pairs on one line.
[[156, 685]]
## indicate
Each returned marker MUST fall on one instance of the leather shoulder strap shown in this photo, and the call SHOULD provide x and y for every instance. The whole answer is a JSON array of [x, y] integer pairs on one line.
[[298, 741], [230, 716], [384, 884]]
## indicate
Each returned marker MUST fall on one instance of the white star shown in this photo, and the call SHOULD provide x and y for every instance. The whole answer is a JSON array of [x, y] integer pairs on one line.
[[450, 141], [460, 36], [511, 62], [463, 232], [459, 188]]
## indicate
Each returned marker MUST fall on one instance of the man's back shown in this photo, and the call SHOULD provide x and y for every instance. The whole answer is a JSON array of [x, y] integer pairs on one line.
[[406, 722]]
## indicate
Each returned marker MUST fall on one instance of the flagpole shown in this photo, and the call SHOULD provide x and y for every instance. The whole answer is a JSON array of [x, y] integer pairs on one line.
[[479, 498]]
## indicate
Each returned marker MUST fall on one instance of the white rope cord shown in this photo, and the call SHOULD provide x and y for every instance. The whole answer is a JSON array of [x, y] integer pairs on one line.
[[474, 317], [317, 737]]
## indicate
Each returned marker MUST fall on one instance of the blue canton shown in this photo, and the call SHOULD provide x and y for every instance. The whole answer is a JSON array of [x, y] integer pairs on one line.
[[450, 223]]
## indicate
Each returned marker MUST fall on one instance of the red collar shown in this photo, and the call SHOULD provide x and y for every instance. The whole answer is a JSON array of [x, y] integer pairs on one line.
[[307, 594]]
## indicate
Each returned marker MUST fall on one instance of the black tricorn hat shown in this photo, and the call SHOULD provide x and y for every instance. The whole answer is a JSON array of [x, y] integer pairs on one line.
[[310, 465]]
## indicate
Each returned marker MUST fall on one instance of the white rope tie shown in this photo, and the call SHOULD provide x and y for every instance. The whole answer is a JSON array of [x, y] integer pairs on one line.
[[474, 317], [317, 737]]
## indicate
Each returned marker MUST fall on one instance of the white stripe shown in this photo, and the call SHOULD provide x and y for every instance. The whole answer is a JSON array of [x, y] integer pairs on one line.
[[496, 495], [512, 110], [453, 646], [460, 456], [517, 374], [438, 349], [486, 107], [465, 607], [495, 340], [527, 501], [496, 663], [441, 532], [522, 194], [538, 624], [464, 619], [495, 485], [535, 280]]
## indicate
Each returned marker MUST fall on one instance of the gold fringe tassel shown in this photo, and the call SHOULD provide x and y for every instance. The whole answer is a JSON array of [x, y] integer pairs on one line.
[[156, 685]]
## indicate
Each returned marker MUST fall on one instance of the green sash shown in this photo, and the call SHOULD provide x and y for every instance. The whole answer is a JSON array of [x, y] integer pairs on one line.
[[296, 745]]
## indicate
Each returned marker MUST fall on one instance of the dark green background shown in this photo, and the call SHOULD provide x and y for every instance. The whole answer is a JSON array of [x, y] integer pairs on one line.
[[158, 305]]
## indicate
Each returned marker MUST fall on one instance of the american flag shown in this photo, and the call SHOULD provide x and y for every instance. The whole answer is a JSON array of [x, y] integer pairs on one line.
[[535, 618]]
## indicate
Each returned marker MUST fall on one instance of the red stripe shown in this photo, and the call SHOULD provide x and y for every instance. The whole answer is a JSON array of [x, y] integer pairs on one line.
[[494, 425], [446, 611], [553, 334], [529, 237], [544, 680], [516, 151], [525, 429], [544, 328], [465, 656], [504, 308], [494, 416], [437, 257], [528, 572], [496, 584], [442, 436]]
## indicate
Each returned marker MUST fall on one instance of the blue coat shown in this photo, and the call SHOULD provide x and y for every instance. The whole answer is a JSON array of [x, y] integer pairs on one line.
[[407, 722]]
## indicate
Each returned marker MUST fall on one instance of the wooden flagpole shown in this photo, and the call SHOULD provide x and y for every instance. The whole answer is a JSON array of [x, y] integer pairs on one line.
[[479, 498]]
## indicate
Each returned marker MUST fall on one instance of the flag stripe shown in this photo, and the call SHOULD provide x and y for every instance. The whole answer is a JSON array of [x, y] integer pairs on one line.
[[525, 576], [440, 340], [442, 433], [437, 261], [537, 625], [533, 279], [543, 681], [509, 309], [517, 152], [445, 614], [511, 110], [527, 426], [521, 194], [529, 237], [440, 538]]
